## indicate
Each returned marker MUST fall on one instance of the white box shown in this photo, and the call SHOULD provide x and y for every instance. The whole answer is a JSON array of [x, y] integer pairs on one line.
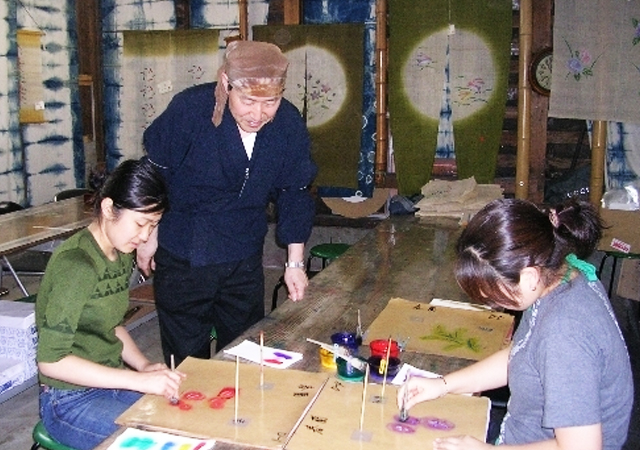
[[11, 373], [18, 336]]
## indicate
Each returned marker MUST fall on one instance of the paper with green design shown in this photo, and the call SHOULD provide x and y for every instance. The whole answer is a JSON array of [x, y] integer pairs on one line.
[[478, 35], [442, 330], [324, 81], [596, 60]]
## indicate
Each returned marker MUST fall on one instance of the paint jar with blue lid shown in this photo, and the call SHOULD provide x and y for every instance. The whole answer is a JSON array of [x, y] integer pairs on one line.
[[346, 339]]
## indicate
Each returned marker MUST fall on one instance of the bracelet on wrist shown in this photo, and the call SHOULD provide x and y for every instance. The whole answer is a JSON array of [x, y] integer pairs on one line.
[[294, 264], [446, 386]]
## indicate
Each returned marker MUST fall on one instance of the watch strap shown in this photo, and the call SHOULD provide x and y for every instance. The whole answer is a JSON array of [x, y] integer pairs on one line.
[[294, 264]]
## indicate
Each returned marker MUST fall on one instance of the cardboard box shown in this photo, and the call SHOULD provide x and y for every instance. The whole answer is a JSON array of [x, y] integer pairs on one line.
[[18, 336], [11, 373], [623, 232], [629, 281]]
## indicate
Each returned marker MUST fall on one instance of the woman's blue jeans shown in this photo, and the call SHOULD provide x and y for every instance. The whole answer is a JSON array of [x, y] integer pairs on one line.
[[83, 418]]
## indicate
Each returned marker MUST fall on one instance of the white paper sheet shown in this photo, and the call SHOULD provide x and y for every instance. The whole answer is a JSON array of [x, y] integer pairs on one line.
[[271, 357]]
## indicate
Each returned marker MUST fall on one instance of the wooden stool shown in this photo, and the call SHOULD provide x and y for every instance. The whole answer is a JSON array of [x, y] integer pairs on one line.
[[42, 439], [616, 256]]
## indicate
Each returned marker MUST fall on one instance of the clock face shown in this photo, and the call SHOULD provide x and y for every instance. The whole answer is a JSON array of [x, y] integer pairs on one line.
[[541, 72]]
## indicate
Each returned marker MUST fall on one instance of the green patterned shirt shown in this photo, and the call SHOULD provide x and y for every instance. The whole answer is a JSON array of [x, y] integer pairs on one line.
[[82, 299]]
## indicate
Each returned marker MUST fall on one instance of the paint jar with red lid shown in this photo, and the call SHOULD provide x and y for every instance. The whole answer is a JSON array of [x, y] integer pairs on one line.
[[379, 348]]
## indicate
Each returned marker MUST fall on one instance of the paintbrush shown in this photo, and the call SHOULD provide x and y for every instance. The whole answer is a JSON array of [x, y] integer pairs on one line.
[[343, 353], [404, 413], [174, 399], [261, 359]]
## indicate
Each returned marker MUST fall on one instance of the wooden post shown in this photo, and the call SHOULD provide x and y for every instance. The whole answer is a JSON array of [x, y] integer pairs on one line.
[[524, 101], [243, 19], [542, 36], [382, 143], [596, 185], [292, 12]]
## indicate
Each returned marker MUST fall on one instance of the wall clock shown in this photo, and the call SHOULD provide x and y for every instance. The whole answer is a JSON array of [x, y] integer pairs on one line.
[[540, 72]]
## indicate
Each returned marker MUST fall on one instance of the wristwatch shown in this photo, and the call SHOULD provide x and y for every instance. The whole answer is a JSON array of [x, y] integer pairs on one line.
[[294, 264]]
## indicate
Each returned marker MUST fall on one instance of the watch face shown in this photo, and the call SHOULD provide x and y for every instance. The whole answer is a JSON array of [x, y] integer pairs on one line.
[[541, 72]]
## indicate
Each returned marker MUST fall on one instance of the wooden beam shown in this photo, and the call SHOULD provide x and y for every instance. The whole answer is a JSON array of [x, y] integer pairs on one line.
[[292, 12], [542, 35], [243, 18]]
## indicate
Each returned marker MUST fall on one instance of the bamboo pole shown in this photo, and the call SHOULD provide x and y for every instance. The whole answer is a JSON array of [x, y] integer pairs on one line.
[[596, 183], [524, 101], [243, 18], [382, 143]]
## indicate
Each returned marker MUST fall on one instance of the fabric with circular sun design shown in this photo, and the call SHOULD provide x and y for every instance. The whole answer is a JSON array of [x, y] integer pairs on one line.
[[324, 80], [479, 38], [320, 90], [471, 85]]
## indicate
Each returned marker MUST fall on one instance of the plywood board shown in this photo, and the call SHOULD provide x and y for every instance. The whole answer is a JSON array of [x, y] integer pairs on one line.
[[334, 420], [441, 330], [265, 415]]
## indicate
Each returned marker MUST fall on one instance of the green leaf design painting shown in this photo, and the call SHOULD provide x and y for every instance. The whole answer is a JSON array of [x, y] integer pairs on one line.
[[454, 340]]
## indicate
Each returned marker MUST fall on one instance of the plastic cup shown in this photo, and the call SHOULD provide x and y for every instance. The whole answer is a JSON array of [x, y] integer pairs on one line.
[[374, 368], [379, 347]]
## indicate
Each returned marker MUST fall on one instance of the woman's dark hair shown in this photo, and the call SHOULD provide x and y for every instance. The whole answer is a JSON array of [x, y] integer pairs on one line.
[[508, 235], [134, 185]]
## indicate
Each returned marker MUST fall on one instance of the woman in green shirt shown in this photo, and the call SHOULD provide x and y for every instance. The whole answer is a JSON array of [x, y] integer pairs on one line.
[[85, 354]]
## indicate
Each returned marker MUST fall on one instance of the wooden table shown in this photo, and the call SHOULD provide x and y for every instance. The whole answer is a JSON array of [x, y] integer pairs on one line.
[[402, 257], [29, 227]]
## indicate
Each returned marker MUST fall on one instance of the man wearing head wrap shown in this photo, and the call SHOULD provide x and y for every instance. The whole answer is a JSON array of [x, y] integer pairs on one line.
[[226, 150]]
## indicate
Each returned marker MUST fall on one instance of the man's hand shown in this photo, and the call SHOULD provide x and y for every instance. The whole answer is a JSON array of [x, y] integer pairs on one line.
[[297, 281], [145, 252]]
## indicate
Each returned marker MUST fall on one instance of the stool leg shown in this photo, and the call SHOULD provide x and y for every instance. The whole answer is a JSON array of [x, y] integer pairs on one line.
[[613, 275], [274, 297]]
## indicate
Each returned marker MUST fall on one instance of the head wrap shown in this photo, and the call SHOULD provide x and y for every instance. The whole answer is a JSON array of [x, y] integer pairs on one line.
[[256, 68]]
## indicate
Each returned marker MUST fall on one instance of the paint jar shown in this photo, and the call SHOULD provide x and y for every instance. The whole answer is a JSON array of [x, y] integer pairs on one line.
[[346, 339], [347, 372], [374, 368], [379, 347], [327, 359]]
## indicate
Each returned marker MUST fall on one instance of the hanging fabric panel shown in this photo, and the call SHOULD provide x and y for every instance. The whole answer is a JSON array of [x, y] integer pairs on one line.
[[324, 81], [11, 164], [596, 60], [157, 65], [30, 70], [479, 38], [355, 11]]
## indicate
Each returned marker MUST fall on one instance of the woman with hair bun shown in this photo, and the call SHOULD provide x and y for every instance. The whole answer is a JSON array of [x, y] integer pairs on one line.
[[84, 352], [567, 368]]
